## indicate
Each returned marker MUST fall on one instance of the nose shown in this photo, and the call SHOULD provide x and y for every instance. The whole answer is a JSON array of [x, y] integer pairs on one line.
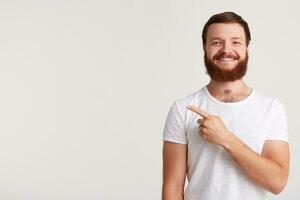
[[226, 48]]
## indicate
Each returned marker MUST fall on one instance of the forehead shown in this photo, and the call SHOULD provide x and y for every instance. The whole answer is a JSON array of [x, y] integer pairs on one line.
[[228, 30]]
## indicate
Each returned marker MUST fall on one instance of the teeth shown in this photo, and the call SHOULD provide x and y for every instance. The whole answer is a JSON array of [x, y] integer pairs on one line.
[[226, 59]]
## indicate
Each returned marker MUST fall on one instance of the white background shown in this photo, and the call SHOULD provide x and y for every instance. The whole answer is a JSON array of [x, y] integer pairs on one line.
[[85, 87]]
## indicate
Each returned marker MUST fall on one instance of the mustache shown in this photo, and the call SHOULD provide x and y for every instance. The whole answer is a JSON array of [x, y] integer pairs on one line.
[[226, 55], [223, 75]]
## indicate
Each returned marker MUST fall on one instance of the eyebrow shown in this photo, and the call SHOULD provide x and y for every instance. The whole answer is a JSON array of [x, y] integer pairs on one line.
[[233, 38], [215, 38], [236, 38]]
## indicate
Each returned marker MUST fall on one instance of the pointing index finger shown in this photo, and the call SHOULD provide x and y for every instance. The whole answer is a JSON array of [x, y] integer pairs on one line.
[[198, 111]]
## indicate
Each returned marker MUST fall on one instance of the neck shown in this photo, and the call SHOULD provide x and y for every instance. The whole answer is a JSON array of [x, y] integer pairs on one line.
[[229, 91]]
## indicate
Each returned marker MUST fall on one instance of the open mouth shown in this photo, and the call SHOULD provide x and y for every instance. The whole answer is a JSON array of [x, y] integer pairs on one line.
[[226, 59]]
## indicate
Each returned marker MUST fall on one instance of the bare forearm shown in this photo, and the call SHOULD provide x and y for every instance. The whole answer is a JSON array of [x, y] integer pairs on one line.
[[172, 193], [269, 170], [259, 169]]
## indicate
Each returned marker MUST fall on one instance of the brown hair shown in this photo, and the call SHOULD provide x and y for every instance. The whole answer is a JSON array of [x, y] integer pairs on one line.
[[226, 17]]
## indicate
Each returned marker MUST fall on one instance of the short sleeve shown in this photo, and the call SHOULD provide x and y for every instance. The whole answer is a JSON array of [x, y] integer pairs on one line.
[[174, 130], [278, 127]]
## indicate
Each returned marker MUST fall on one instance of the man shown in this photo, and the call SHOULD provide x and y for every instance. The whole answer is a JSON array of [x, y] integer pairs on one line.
[[230, 140]]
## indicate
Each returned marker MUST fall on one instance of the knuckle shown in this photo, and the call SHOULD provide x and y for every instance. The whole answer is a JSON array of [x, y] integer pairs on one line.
[[207, 122]]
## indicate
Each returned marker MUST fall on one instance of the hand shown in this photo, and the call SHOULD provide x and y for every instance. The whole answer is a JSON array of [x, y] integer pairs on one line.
[[211, 128]]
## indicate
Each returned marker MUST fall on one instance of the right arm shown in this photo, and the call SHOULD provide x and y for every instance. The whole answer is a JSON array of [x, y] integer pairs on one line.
[[174, 170]]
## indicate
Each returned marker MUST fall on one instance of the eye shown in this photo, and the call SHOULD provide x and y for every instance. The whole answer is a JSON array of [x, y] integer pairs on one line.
[[216, 43], [236, 42]]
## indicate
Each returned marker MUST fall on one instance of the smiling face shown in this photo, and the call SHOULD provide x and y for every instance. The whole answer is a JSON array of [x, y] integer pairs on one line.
[[226, 52]]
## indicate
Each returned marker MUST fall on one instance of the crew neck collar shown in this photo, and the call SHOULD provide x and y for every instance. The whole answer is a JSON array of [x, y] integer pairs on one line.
[[229, 103]]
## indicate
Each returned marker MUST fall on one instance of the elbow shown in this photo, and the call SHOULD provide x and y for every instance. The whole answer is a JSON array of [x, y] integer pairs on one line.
[[172, 192], [278, 182], [277, 187], [276, 190]]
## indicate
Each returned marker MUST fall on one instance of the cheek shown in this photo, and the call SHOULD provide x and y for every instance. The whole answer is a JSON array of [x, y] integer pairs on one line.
[[210, 52], [241, 52]]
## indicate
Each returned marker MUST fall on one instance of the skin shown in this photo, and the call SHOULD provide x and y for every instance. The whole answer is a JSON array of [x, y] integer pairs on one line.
[[269, 169], [230, 41]]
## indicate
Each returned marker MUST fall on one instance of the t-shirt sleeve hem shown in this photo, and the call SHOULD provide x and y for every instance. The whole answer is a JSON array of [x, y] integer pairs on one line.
[[174, 140], [278, 138]]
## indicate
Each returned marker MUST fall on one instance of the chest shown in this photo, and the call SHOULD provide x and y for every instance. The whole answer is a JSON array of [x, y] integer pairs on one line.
[[249, 125]]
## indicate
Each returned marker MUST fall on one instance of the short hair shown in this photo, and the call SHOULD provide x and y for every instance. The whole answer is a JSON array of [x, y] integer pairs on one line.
[[226, 17]]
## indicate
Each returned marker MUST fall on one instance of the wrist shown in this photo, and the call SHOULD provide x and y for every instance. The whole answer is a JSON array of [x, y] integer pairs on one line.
[[229, 141]]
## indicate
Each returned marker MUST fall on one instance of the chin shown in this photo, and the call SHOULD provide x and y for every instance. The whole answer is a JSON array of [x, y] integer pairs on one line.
[[227, 67]]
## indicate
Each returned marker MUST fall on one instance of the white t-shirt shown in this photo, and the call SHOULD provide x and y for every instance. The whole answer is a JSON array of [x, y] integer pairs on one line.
[[212, 173]]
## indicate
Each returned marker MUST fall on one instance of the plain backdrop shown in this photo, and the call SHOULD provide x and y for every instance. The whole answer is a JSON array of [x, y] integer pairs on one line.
[[85, 87]]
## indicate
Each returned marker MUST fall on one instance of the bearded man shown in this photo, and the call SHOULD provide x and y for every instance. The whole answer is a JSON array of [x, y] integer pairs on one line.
[[230, 140]]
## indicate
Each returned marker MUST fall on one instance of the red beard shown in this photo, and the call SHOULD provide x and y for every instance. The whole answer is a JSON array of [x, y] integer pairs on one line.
[[218, 74]]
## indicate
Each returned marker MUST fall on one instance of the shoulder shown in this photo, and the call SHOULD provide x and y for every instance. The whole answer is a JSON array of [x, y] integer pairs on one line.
[[182, 103], [267, 99], [270, 103]]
